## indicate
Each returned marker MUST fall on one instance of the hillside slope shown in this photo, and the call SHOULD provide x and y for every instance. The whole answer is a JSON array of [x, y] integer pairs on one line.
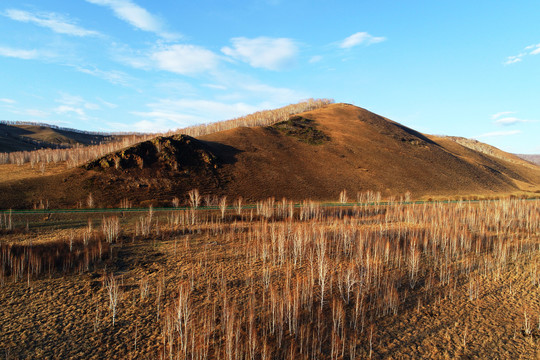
[[364, 152], [315, 154], [28, 137], [535, 159]]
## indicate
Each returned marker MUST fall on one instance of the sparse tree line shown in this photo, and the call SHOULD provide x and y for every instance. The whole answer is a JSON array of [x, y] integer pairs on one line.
[[80, 251], [316, 284], [81, 154], [310, 282]]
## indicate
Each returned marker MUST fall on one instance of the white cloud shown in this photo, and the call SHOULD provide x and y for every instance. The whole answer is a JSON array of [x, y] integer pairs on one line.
[[501, 119], [92, 106], [137, 16], [65, 109], [514, 59], [185, 59], [7, 101], [147, 126], [53, 21], [360, 38], [74, 104], [263, 52], [198, 110], [498, 133], [19, 53], [35, 113], [107, 104], [510, 121], [528, 50], [135, 58], [536, 51], [30, 112], [170, 114], [275, 96], [68, 99], [502, 113], [114, 77]]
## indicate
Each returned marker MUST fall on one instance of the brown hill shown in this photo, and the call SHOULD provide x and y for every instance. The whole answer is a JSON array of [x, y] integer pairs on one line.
[[29, 136], [315, 154], [364, 152], [535, 159]]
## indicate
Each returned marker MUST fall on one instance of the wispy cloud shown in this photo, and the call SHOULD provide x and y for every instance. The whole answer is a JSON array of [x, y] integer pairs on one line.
[[30, 112], [74, 104], [35, 113], [178, 58], [263, 52], [360, 38], [107, 103], [274, 96], [502, 113], [7, 101], [498, 133], [19, 53], [185, 59], [137, 16], [143, 126], [501, 118], [215, 86], [175, 113], [114, 76], [528, 50], [65, 109], [533, 49], [242, 98], [511, 120], [514, 59], [56, 22]]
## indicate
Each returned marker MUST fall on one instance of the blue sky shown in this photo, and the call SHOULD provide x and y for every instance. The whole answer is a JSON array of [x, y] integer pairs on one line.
[[463, 68]]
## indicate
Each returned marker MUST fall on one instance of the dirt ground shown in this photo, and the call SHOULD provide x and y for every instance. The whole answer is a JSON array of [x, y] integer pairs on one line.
[[483, 310]]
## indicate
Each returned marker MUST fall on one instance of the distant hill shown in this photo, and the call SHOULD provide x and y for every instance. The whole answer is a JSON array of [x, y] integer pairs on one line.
[[15, 136], [314, 154], [529, 157]]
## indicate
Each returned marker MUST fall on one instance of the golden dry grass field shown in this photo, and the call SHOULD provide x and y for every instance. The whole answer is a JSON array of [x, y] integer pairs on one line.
[[274, 281]]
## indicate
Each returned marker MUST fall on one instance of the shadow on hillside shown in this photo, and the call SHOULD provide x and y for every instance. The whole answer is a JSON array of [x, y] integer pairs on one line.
[[416, 134], [225, 153]]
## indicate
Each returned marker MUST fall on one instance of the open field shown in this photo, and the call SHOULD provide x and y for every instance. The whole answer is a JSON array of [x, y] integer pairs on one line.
[[394, 281]]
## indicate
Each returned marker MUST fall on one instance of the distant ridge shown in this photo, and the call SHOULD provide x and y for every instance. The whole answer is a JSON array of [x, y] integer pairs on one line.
[[531, 158], [54, 127], [28, 136]]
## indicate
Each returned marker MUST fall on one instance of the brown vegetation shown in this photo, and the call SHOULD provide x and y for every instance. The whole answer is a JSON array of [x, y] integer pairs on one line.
[[177, 152], [280, 282]]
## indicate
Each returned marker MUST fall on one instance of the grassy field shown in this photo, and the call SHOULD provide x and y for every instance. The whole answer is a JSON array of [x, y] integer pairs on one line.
[[275, 281]]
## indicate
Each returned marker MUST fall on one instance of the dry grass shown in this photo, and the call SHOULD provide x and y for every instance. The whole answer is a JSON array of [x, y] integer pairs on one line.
[[277, 281]]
